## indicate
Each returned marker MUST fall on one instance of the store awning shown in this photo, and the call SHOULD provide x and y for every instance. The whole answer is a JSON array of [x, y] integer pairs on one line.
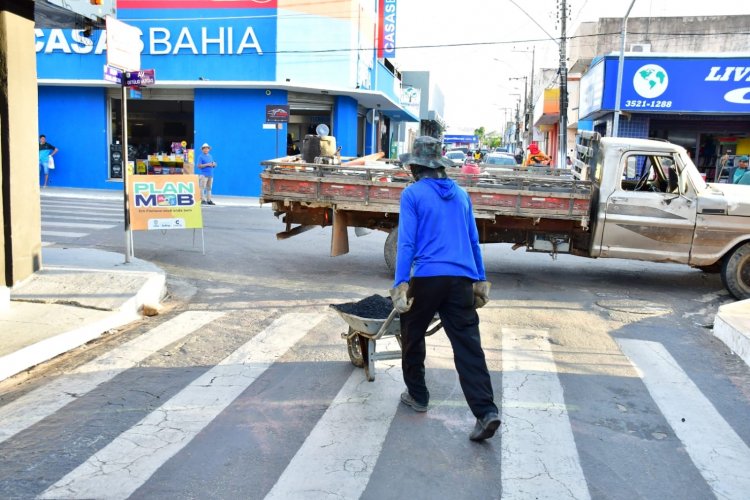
[[399, 115], [550, 109]]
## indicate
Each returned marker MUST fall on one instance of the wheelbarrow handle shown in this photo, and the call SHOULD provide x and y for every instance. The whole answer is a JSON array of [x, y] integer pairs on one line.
[[385, 325]]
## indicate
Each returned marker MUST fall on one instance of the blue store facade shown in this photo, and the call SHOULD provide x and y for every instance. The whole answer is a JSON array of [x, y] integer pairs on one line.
[[217, 68], [700, 101]]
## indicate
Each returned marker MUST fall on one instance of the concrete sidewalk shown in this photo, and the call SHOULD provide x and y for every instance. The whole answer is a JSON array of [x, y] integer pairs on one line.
[[77, 296]]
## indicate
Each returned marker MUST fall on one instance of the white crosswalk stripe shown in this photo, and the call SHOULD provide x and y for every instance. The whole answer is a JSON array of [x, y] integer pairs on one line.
[[721, 456], [539, 455], [126, 463], [94, 207], [39, 404], [358, 419], [113, 220], [65, 218], [63, 234], [81, 225]]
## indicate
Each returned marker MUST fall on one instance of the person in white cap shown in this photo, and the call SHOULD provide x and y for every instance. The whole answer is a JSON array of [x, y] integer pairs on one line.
[[206, 165]]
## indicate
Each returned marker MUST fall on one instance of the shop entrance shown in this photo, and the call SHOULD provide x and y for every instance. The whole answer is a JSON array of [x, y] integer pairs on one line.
[[158, 120], [306, 112], [706, 141]]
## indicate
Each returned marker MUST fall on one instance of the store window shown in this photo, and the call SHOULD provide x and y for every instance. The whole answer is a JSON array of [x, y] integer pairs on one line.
[[153, 125]]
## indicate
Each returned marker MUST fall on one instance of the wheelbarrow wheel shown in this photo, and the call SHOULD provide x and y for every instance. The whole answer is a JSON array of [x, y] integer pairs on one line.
[[354, 349], [368, 348]]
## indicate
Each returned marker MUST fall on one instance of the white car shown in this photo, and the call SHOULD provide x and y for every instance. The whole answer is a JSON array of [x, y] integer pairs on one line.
[[457, 157], [500, 160]]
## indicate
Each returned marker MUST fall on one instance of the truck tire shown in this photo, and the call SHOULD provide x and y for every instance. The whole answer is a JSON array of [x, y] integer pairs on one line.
[[735, 272], [390, 248]]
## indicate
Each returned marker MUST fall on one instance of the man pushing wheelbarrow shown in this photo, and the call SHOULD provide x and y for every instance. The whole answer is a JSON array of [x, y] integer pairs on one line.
[[439, 270]]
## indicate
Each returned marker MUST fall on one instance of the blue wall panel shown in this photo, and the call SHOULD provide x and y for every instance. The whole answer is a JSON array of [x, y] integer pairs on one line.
[[74, 120], [231, 121], [345, 125]]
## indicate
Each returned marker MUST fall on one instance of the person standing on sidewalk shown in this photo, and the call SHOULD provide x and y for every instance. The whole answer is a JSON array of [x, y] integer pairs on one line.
[[206, 166], [46, 152], [439, 269]]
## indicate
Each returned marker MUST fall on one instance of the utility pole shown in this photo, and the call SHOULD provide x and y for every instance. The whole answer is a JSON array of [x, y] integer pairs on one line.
[[563, 87], [528, 114], [525, 108], [620, 65]]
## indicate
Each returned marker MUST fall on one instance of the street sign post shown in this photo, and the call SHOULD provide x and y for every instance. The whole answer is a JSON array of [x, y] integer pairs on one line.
[[124, 53], [277, 114]]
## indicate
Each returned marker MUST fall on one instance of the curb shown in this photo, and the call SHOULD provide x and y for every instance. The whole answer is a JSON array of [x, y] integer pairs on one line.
[[152, 291], [732, 326], [47, 349]]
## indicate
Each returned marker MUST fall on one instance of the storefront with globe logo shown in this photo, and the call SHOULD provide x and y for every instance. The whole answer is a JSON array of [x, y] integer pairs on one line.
[[701, 102]]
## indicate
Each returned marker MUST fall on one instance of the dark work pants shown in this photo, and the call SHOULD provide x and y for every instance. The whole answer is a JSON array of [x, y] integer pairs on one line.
[[452, 298]]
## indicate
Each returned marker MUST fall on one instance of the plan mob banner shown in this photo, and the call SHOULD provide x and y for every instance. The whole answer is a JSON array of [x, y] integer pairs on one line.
[[164, 202]]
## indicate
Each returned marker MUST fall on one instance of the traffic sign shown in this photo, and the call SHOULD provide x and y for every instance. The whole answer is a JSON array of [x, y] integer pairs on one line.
[[142, 78], [123, 45]]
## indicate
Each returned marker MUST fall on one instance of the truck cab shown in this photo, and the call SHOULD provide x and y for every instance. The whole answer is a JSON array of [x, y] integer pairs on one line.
[[651, 203]]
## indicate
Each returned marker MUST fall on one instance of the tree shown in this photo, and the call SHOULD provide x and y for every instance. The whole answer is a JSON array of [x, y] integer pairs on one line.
[[479, 132]]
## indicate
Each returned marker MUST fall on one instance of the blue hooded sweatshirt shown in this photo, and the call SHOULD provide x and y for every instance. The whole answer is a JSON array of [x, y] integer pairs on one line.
[[437, 233]]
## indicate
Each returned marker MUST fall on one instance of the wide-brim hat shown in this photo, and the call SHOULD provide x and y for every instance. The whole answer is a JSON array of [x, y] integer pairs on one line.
[[205, 145], [426, 152]]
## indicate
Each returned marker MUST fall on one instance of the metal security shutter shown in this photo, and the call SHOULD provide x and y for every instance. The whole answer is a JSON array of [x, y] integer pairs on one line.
[[160, 94], [310, 102]]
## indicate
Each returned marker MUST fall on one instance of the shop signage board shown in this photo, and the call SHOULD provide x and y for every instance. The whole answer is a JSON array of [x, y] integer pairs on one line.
[[219, 40], [141, 78], [277, 113], [669, 85], [386, 28], [160, 202]]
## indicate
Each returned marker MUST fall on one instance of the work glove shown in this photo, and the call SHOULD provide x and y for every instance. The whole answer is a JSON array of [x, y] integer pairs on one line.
[[481, 293], [400, 302]]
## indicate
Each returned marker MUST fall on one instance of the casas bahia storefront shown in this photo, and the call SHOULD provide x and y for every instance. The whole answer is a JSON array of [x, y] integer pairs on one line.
[[699, 101], [218, 65]]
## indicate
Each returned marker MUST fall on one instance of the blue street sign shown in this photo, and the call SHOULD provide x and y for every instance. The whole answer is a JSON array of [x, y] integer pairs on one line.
[[113, 75], [136, 94], [140, 78]]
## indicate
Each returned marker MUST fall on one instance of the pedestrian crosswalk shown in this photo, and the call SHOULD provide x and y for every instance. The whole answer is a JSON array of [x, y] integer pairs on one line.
[[293, 424], [67, 219]]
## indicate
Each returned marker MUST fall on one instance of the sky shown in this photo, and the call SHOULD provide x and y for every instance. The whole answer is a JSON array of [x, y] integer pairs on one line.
[[475, 78]]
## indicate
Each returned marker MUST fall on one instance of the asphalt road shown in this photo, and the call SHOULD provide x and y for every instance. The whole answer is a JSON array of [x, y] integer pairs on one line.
[[610, 382]]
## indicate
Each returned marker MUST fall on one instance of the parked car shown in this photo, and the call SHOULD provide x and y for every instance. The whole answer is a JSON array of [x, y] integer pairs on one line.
[[456, 156], [500, 159]]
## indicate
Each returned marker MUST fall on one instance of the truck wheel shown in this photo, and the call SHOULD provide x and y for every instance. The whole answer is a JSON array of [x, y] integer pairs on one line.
[[390, 248], [735, 272]]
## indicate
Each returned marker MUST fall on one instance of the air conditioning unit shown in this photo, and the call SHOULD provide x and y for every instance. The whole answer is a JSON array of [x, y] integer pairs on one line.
[[640, 47]]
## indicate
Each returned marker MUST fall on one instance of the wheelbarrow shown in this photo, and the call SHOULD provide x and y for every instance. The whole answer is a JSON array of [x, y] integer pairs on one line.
[[363, 334]]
